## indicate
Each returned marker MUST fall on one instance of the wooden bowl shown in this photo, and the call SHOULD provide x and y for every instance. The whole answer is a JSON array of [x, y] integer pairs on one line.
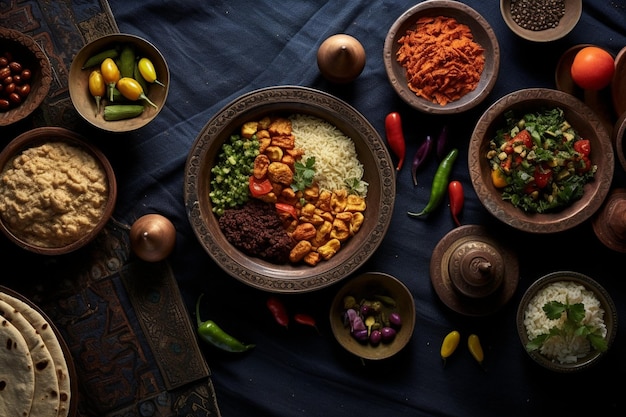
[[38, 137], [27, 52], [572, 13], [85, 104], [618, 84], [609, 319], [379, 173], [618, 136], [584, 121], [482, 33], [367, 286]]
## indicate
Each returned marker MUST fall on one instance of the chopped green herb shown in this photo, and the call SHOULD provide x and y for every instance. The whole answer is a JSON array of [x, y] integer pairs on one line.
[[572, 326], [304, 173]]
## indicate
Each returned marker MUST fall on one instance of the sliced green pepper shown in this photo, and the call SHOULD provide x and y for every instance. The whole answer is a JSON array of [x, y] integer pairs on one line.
[[214, 335]]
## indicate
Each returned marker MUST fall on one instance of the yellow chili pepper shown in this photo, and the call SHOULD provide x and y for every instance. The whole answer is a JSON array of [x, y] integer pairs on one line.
[[131, 89], [97, 88], [110, 74], [498, 178], [473, 343], [146, 68], [449, 344]]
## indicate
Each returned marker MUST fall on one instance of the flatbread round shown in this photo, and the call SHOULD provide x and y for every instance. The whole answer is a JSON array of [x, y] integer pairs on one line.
[[52, 343], [17, 377], [46, 388]]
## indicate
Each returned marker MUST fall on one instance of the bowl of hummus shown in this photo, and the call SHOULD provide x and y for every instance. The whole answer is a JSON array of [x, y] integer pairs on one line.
[[57, 191]]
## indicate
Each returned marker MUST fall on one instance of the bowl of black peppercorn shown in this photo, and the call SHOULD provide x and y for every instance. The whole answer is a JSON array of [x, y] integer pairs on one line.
[[541, 20]]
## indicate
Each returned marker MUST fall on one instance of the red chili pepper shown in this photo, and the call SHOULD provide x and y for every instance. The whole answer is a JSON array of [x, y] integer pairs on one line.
[[287, 208], [395, 137], [259, 187], [278, 310], [455, 193], [306, 320]]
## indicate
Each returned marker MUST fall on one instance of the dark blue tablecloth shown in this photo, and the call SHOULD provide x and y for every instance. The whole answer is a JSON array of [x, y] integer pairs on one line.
[[218, 50]]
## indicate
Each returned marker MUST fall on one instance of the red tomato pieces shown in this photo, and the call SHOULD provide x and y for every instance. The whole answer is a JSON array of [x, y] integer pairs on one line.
[[287, 208], [542, 176], [259, 188], [583, 147]]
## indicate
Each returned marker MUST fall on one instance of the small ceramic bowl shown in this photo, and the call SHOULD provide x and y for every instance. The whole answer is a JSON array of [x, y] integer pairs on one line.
[[26, 52], [374, 286], [609, 318], [587, 125], [84, 102], [46, 239], [482, 34], [560, 27]]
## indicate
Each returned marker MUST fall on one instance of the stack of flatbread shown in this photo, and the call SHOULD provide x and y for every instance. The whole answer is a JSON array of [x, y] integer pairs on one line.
[[34, 374]]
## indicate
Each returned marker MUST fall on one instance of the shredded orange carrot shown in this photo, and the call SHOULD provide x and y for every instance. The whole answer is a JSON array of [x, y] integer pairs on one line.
[[441, 59]]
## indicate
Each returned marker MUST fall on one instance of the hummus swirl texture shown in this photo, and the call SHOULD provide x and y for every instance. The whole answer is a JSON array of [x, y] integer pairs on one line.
[[53, 194]]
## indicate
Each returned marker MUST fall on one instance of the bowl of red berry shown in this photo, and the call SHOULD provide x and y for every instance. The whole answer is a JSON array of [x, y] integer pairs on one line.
[[25, 76]]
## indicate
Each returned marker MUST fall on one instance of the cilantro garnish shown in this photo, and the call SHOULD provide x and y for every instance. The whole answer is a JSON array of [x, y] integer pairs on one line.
[[304, 173], [572, 326]]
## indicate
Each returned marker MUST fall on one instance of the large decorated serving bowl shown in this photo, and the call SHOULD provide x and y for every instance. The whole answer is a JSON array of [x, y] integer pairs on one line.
[[256, 271], [584, 121]]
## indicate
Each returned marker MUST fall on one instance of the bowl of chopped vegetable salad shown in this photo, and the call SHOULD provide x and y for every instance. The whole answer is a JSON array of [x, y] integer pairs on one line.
[[289, 189], [541, 160]]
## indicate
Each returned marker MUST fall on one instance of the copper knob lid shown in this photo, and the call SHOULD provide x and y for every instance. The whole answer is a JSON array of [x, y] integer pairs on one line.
[[472, 272]]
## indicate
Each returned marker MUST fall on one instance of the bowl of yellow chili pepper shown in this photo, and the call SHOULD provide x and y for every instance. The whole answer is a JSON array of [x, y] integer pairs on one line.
[[119, 82], [541, 160]]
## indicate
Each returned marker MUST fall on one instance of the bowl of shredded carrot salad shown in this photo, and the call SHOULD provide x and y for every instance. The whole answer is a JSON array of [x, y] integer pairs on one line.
[[442, 57]]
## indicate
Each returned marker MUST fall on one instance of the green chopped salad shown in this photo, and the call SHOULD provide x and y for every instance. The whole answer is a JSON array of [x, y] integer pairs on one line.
[[539, 161]]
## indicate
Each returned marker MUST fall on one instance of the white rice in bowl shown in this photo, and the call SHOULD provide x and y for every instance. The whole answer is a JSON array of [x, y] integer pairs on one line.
[[559, 348], [335, 156]]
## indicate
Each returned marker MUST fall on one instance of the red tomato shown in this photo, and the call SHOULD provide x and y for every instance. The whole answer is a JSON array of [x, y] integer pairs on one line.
[[259, 188], [542, 176], [583, 147], [592, 68], [288, 209]]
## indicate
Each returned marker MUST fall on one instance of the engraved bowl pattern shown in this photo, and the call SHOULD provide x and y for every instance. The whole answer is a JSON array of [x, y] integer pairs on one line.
[[371, 150], [587, 124]]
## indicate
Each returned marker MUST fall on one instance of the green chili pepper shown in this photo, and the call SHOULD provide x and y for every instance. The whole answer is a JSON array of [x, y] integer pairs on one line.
[[213, 334], [440, 184]]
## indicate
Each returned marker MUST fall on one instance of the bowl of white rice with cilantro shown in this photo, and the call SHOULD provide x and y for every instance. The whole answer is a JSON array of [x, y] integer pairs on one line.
[[566, 321], [317, 132]]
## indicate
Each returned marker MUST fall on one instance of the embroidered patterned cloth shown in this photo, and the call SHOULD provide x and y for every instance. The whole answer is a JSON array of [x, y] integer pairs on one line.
[[132, 341]]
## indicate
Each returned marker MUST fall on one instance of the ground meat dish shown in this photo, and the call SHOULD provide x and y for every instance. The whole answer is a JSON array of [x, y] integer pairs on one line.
[[256, 229]]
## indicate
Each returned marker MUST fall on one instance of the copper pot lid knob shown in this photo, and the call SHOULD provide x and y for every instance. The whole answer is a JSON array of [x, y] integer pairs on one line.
[[475, 267]]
